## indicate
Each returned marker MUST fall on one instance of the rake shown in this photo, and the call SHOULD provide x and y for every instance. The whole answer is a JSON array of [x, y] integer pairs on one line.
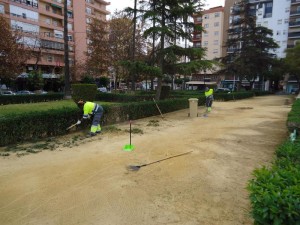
[[136, 168]]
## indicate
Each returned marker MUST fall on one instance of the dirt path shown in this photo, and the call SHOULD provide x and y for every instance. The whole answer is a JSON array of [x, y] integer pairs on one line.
[[89, 184]]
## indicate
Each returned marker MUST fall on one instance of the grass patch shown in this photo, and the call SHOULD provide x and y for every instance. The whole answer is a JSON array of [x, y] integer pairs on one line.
[[135, 131], [111, 129], [153, 123]]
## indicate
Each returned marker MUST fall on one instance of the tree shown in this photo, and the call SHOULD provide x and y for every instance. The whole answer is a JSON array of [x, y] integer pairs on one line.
[[169, 24], [120, 42], [292, 62], [98, 55], [13, 54], [251, 46]]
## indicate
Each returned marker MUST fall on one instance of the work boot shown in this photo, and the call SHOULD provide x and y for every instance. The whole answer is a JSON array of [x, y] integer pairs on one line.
[[91, 134]]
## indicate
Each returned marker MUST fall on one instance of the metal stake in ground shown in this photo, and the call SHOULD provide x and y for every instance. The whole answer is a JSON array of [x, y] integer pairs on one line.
[[136, 168], [129, 147]]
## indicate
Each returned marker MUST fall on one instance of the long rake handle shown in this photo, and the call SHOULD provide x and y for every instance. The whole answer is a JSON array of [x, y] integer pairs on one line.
[[158, 108], [71, 126], [165, 159]]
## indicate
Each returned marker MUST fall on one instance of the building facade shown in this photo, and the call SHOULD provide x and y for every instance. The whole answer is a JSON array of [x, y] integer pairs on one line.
[[41, 22], [212, 21]]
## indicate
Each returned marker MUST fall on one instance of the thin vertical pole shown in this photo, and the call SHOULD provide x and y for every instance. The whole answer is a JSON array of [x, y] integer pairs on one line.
[[130, 132]]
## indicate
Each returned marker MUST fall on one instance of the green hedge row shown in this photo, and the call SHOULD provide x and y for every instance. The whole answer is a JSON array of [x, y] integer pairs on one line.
[[18, 99], [34, 125], [275, 191], [293, 121], [27, 126], [112, 97]]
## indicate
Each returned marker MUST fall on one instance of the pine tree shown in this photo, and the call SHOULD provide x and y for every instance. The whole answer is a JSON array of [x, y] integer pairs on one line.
[[251, 46]]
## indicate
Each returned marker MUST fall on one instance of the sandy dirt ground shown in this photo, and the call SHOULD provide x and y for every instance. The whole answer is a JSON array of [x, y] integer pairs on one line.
[[90, 184]]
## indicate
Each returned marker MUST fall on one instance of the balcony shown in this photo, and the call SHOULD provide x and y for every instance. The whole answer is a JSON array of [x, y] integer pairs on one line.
[[23, 18], [294, 2], [294, 35], [294, 23], [27, 3], [295, 13]]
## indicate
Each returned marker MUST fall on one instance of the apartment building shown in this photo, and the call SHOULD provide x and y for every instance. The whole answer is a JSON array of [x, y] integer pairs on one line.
[[294, 23], [273, 14], [212, 40], [41, 22]]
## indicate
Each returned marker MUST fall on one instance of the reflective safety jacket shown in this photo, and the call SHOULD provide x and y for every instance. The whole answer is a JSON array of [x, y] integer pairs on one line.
[[89, 108], [209, 93]]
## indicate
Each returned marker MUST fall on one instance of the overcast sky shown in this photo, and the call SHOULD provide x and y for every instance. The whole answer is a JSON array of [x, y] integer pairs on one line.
[[121, 4]]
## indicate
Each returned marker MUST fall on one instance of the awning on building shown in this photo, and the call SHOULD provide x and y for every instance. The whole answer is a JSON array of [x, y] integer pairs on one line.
[[201, 82]]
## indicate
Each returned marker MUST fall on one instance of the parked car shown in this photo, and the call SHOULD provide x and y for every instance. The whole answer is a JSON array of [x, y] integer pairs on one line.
[[8, 93], [102, 89], [295, 91], [222, 90], [24, 92]]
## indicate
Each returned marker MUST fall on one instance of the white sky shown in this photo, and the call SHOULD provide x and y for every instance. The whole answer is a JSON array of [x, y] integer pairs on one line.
[[121, 4]]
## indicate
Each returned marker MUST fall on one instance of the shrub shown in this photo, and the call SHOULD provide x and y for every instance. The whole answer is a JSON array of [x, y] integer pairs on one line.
[[275, 192], [17, 99], [86, 92], [293, 121]]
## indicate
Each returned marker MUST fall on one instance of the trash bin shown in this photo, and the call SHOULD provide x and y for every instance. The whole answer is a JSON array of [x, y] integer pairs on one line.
[[193, 102]]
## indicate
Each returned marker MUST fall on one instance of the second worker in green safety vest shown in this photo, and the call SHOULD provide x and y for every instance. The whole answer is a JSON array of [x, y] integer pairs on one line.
[[209, 98], [91, 109]]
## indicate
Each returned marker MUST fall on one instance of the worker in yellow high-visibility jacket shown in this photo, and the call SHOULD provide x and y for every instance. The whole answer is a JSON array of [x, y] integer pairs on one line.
[[89, 109], [209, 98]]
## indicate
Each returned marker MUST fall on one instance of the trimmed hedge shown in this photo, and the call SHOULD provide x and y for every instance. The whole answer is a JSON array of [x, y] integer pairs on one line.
[[27, 126], [34, 125], [275, 192], [111, 97], [18, 99], [293, 121], [86, 92]]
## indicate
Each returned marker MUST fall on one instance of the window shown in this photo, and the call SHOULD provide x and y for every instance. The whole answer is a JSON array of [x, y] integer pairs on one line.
[[50, 58], [216, 24], [279, 22], [206, 25], [205, 43], [70, 37], [199, 19], [286, 21], [284, 32], [88, 10], [48, 21], [215, 51], [216, 33], [198, 36], [47, 7], [70, 26], [88, 20], [198, 44], [278, 32], [217, 14], [216, 42], [206, 16], [2, 9], [287, 10]]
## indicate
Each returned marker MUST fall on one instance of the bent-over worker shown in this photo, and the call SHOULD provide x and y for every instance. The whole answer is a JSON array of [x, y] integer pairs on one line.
[[91, 109]]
